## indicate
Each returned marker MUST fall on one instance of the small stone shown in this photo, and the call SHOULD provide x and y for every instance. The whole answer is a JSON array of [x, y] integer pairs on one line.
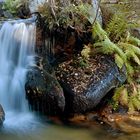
[[101, 122], [76, 74]]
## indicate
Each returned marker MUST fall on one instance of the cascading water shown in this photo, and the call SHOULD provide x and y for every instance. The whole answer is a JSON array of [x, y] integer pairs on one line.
[[17, 41]]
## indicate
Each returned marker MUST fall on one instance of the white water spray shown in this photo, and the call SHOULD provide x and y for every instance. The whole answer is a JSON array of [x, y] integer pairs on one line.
[[17, 41]]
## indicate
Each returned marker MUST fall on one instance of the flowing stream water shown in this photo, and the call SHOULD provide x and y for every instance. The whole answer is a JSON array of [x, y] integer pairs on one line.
[[17, 42]]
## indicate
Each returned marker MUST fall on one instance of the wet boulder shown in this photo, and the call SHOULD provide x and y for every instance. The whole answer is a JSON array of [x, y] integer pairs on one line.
[[86, 83], [2, 115], [43, 90]]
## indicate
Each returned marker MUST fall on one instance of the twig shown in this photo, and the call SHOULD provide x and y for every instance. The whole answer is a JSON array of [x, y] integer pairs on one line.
[[52, 5]]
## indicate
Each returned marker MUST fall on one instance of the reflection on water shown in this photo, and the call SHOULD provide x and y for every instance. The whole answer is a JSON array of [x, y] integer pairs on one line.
[[30, 127]]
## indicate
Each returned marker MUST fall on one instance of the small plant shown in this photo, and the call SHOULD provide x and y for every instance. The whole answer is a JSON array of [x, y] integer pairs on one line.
[[118, 27], [70, 14], [13, 6], [85, 53], [128, 96]]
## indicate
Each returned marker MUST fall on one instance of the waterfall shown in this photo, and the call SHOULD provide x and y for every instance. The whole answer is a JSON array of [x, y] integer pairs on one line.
[[17, 43]]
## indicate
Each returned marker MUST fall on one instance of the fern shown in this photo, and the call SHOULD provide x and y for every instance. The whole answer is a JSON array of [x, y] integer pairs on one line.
[[126, 53], [117, 93], [128, 96], [116, 27], [119, 61], [133, 40], [121, 21]]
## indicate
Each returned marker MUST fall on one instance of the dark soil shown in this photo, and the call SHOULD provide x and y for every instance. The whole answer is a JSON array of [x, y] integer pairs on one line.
[[80, 73]]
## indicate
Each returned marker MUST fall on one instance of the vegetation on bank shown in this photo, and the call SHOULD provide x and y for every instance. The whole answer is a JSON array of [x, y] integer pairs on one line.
[[114, 39], [65, 14], [16, 6]]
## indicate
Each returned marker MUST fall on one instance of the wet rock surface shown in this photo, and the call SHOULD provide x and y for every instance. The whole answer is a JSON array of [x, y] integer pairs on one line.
[[85, 87], [43, 90], [122, 121], [2, 115]]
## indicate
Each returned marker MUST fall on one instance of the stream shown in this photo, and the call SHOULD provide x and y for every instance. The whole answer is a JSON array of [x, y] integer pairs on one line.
[[32, 128]]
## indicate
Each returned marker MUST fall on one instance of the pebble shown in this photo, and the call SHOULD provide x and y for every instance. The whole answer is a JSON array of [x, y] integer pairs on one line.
[[76, 74]]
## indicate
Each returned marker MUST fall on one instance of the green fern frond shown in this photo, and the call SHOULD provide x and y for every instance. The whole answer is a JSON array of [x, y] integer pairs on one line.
[[98, 32], [135, 58], [130, 47], [133, 40], [130, 69], [136, 103], [117, 27], [124, 97], [131, 108], [119, 61], [128, 97], [105, 47], [117, 93], [110, 47]]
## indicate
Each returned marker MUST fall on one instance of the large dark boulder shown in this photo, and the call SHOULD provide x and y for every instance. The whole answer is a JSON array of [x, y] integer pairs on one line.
[[86, 86], [43, 90], [2, 115]]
